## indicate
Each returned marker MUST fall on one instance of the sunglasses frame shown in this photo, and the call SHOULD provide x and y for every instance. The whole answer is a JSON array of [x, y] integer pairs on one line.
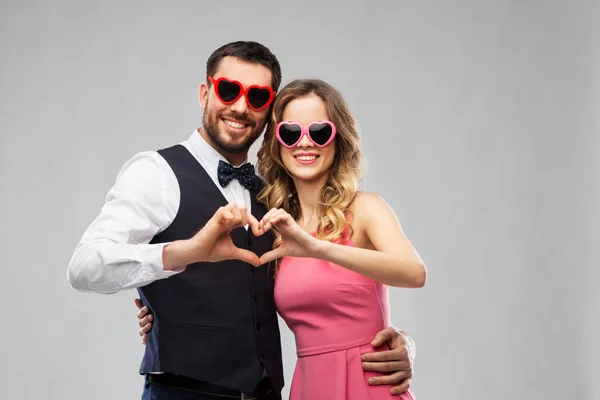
[[305, 131], [243, 92]]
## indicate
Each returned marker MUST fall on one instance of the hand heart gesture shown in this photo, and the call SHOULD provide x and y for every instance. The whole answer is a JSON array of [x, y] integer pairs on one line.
[[213, 243], [296, 242]]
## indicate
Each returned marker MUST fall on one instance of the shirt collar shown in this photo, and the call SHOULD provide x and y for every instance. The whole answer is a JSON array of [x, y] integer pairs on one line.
[[205, 151]]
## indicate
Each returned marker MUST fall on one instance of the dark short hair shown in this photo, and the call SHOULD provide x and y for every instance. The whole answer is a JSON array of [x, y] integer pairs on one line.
[[248, 51]]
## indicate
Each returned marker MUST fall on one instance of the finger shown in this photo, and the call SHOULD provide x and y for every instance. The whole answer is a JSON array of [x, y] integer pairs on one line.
[[138, 303], [254, 224], [283, 215], [145, 329], [272, 255], [230, 206], [228, 219], [267, 217], [399, 354], [383, 336], [391, 379], [223, 215], [237, 216], [246, 256], [403, 387], [144, 339], [243, 214], [281, 218], [275, 213], [390, 366], [269, 223], [143, 312], [142, 322], [270, 212]]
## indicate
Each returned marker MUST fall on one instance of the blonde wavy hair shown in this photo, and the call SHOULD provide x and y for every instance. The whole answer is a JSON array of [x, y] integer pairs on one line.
[[339, 192]]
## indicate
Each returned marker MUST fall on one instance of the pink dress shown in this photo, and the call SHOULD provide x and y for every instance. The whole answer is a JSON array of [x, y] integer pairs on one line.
[[334, 314]]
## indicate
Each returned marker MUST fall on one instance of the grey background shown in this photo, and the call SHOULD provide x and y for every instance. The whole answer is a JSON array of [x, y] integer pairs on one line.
[[487, 111]]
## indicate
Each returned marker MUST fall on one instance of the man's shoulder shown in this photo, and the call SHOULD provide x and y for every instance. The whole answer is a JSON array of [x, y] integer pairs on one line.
[[157, 156], [181, 145], [149, 161]]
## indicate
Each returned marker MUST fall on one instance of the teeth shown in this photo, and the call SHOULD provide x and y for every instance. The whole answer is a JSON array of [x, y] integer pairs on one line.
[[235, 125], [306, 158]]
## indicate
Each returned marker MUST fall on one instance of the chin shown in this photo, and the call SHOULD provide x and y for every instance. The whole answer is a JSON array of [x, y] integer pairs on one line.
[[307, 176], [228, 137], [232, 139]]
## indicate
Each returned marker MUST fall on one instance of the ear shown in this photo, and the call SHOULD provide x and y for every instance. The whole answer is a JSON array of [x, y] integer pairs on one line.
[[203, 95]]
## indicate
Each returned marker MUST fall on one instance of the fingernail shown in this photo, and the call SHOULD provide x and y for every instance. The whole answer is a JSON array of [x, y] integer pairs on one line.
[[394, 391], [145, 308], [371, 381], [364, 358], [149, 317]]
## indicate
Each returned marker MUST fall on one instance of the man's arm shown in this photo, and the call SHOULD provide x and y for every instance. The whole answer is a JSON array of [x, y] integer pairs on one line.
[[114, 253]]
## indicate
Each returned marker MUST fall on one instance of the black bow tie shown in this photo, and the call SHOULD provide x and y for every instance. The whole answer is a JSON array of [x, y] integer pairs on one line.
[[244, 174]]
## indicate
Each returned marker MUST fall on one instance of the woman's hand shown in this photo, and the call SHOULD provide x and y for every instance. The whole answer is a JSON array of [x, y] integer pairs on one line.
[[296, 242]]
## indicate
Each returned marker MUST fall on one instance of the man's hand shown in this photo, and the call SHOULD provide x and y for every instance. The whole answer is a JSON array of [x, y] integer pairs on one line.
[[397, 362], [144, 320], [213, 242]]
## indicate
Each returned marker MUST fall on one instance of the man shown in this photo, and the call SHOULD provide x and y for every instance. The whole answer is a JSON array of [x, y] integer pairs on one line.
[[177, 225]]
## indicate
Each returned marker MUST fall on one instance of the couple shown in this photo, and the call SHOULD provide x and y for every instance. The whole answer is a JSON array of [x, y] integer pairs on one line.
[[188, 227]]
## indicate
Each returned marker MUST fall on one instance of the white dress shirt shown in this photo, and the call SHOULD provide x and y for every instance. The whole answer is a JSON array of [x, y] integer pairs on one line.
[[114, 253]]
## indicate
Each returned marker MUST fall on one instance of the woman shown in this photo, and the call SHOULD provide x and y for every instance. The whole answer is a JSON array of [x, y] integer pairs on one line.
[[337, 249]]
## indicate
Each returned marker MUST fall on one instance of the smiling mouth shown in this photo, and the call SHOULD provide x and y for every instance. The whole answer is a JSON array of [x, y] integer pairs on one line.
[[234, 125], [306, 159]]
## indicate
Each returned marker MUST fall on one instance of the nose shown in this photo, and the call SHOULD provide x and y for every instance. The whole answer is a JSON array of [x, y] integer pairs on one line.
[[240, 106], [305, 142]]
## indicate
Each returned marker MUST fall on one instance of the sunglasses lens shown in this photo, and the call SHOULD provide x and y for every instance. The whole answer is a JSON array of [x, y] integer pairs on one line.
[[289, 134], [258, 98], [228, 91], [320, 133]]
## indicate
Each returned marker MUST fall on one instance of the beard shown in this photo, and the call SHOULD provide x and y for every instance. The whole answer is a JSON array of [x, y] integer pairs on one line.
[[223, 140]]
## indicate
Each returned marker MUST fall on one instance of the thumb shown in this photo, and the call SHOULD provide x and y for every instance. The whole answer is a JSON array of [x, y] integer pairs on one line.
[[255, 225], [383, 336], [138, 303], [246, 256], [272, 255]]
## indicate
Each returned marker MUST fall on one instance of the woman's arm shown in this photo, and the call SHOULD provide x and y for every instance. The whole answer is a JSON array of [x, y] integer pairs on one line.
[[393, 262]]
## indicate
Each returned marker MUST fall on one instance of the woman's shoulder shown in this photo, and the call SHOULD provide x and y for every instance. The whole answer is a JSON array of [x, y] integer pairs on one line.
[[370, 207], [365, 200], [365, 204]]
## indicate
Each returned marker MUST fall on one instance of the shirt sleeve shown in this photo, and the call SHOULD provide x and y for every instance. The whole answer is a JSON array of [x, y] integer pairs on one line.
[[114, 253]]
